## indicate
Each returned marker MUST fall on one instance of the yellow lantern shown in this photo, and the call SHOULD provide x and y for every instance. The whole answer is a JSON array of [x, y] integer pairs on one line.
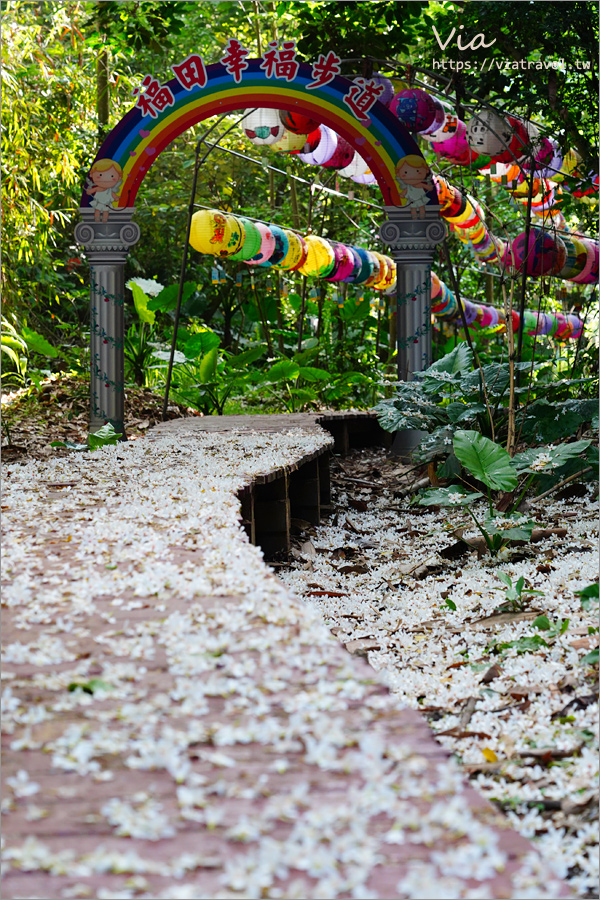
[[320, 257], [381, 281], [377, 266], [210, 232], [237, 235], [295, 251], [290, 143]]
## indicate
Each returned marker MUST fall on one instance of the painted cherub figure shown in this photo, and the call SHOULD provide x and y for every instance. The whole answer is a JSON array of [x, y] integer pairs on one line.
[[414, 179], [103, 185]]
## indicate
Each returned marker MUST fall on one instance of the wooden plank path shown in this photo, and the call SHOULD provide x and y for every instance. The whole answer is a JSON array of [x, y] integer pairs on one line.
[[221, 742]]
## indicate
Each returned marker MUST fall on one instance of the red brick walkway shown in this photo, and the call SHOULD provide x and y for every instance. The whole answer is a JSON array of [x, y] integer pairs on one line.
[[230, 747]]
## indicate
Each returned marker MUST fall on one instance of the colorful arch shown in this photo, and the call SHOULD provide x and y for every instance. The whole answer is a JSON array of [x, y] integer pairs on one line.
[[137, 141]]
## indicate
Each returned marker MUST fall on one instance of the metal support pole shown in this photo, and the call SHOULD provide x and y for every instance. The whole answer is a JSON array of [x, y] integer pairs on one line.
[[106, 245], [412, 244]]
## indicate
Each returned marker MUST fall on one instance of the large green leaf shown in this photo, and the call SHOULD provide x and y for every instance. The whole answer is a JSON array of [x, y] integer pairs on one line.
[[36, 343], [484, 459], [512, 528], [167, 299], [311, 373], [199, 343], [247, 357], [542, 460], [140, 301], [105, 436], [458, 360], [452, 496], [208, 365], [283, 370]]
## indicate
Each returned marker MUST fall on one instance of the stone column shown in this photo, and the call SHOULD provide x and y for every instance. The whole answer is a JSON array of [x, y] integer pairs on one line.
[[412, 242], [106, 245]]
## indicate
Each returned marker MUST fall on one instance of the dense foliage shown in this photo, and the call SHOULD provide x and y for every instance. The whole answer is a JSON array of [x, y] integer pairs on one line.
[[268, 342]]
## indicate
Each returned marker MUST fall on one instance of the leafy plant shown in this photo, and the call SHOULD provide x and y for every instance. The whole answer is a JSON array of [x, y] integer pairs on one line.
[[516, 594], [530, 643], [588, 595], [104, 437], [14, 346], [491, 465]]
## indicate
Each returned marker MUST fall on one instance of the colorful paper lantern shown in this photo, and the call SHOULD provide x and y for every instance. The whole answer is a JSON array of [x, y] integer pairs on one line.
[[267, 246], [488, 133], [281, 247], [517, 143], [251, 243], [320, 257], [324, 150], [414, 108], [357, 166], [538, 256], [296, 122], [295, 252], [290, 143], [445, 132], [210, 232], [262, 126], [344, 263], [438, 122], [342, 157], [367, 266], [356, 266]]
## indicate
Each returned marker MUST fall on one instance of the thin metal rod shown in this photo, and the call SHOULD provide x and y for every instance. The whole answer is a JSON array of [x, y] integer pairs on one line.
[[198, 163]]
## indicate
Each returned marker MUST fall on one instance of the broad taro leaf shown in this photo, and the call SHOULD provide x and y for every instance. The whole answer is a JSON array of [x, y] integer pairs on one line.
[[311, 373], [458, 360], [484, 459], [542, 460], [545, 422], [247, 357], [208, 365], [512, 528], [461, 412], [36, 343], [410, 408], [167, 299], [105, 436], [450, 496], [283, 370], [140, 301], [439, 443], [199, 343]]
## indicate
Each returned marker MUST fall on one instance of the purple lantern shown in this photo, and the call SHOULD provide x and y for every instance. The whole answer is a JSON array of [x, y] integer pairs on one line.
[[414, 108]]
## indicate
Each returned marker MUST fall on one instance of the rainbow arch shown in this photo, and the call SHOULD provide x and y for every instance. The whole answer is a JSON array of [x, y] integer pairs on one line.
[[139, 139]]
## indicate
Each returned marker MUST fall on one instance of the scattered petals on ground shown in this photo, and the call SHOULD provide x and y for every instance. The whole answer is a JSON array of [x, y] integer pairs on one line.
[[177, 724]]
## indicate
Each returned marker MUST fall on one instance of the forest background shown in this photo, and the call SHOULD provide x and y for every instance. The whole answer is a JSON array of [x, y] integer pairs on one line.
[[264, 343]]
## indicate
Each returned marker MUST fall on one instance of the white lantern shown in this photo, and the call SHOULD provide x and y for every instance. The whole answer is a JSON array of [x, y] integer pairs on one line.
[[263, 126], [355, 168], [488, 133]]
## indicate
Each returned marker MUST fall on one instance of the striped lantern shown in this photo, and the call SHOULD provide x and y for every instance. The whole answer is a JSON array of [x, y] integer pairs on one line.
[[281, 247], [344, 263], [267, 246], [295, 252], [251, 243]]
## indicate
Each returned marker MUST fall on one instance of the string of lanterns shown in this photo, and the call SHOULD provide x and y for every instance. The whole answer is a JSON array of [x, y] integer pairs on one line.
[[503, 147], [269, 246], [556, 325], [257, 244], [569, 256]]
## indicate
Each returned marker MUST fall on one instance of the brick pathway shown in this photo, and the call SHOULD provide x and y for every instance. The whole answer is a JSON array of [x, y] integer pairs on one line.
[[236, 750]]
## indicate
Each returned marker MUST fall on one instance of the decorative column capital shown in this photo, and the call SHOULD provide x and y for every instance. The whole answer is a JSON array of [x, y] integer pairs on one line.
[[408, 237], [107, 241]]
